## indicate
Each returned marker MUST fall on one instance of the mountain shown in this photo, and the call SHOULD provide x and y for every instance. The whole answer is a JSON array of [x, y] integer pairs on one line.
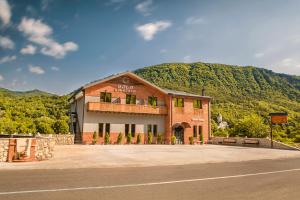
[[237, 91], [35, 92]]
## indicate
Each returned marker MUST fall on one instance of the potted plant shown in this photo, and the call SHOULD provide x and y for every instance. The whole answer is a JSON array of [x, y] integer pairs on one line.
[[201, 138], [139, 139], [150, 136], [120, 138], [191, 139], [159, 138], [173, 140], [95, 137], [106, 138], [129, 138]]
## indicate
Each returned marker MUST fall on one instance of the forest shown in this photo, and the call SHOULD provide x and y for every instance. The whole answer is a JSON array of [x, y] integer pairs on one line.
[[243, 95]]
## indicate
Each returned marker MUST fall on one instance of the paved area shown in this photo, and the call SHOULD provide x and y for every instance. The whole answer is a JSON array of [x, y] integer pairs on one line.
[[277, 179], [104, 156]]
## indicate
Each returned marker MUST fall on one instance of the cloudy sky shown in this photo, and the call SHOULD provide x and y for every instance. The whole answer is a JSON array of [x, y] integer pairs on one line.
[[59, 45]]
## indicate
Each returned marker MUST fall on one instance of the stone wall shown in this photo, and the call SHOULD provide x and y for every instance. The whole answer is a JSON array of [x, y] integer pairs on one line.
[[44, 148], [251, 142], [61, 139], [3, 149]]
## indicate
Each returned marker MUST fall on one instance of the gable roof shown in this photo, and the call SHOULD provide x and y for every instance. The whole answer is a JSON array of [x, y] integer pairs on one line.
[[136, 77]]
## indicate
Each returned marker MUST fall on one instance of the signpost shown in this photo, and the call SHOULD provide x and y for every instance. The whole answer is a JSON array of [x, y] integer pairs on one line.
[[277, 119]]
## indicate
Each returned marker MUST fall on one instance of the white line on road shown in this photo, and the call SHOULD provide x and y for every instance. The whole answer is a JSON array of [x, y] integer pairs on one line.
[[147, 184]]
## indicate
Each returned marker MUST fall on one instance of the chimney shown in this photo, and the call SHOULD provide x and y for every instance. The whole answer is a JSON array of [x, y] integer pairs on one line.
[[203, 91]]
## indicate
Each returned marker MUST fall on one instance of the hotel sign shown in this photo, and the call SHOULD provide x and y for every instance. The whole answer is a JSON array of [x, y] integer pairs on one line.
[[279, 118], [125, 88]]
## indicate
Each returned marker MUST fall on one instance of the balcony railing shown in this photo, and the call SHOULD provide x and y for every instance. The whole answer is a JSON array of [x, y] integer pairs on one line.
[[126, 108]]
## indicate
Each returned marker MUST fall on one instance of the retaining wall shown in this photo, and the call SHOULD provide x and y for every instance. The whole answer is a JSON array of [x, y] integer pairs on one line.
[[262, 142], [4, 149], [61, 139]]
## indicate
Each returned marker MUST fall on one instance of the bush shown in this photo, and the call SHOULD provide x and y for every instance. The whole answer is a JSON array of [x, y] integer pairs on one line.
[[139, 139], [60, 126], [173, 139], [297, 138], [120, 138], [220, 133], [159, 138], [129, 138], [150, 136], [95, 137], [191, 139], [106, 138], [201, 138]]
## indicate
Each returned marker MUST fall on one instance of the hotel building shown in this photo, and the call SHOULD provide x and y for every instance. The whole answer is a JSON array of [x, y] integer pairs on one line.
[[125, 103]]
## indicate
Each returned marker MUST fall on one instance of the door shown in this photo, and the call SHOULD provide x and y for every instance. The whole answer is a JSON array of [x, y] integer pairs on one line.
[[179, 133]]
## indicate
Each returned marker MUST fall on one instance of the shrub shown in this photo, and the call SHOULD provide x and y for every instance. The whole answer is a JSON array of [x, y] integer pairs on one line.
[[60, 126], [191, 139], [220, 133], [173, 139], [159, 138], [150, 136], [120, 138], [95, 136], [201, 138], [297, 138], [139, 139], [129, 138], [106, 138]]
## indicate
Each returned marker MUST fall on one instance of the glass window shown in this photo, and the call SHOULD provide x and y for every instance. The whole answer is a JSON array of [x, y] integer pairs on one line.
[[100, 129], [105, 97], [130, 99], [195, 131], [155, 130], [179, 102], [107, 128], [152, 101], [133, 130], [149, 128], [198, 103], [126, 129], [200, 130]]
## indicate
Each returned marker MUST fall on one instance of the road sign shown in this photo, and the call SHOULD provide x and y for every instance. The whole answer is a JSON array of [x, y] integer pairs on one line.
[[277, 119]]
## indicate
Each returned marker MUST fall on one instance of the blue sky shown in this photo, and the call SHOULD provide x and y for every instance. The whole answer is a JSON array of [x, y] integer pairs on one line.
[[59, 45]]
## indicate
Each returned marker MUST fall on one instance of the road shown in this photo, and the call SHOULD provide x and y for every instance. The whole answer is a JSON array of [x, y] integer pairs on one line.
[[260, 179]]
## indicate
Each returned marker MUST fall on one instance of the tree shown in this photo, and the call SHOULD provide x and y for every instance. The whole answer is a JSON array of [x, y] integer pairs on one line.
[[60, 126]]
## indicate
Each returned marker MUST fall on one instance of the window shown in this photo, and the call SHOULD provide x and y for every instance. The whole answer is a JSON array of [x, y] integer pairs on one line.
[[179, 102], [152, 101], [195, 131], [198, 103], [149, 128], [100, 129], [133, 130], [200, 130], [107, 128], [126, 129], [105, 97], [155, 130], [130, 99]]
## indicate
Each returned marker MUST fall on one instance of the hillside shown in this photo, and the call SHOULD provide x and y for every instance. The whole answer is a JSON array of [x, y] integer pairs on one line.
[[237, 91]]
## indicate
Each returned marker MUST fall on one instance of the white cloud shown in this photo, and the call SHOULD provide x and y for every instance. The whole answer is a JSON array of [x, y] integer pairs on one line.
[[290, 62], [259, 55], [5, 12], [36, 69], [54, 68], [6, 43], [144, 7], [29, 49], [40, 33], [194, 20], [1, 78], [187, 59], [163, 51], [6, 59], [147, 31]]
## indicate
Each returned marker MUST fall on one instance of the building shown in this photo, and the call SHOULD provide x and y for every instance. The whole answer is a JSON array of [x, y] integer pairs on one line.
[[126, 103]]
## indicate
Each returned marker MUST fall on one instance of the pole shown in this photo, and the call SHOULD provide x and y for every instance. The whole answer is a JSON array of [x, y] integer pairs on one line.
[[271, 135]]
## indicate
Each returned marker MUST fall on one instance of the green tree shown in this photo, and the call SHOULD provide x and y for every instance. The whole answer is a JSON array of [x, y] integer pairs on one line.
[[60, 126]]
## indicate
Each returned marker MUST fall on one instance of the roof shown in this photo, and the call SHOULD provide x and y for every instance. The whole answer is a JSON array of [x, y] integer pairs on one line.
[[163, 90]]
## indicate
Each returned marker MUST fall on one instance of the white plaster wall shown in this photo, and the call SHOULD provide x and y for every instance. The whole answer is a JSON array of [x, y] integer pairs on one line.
[[118, 121]]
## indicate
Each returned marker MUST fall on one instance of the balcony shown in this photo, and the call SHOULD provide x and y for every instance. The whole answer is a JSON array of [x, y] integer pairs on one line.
[[126, 108]]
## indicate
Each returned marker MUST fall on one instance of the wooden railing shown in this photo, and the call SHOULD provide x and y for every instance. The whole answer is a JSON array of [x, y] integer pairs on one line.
[[126, 108]]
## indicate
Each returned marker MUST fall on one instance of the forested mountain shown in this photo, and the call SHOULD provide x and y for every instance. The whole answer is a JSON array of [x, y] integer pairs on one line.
[[243, 95], [239, 93]]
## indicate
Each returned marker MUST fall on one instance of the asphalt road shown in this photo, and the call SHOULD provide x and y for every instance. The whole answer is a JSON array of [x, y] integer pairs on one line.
[[261, 179]]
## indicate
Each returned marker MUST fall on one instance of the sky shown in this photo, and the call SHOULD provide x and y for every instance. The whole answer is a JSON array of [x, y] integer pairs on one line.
[[59, 45]]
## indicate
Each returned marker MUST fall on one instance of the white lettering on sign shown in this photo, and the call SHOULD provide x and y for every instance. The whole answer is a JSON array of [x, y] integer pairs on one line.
[[125, 88]]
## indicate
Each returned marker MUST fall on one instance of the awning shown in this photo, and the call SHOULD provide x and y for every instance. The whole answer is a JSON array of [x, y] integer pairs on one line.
[[182, 124]]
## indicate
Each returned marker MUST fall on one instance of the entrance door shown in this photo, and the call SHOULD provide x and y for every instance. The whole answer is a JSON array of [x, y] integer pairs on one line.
[[179, 133]]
